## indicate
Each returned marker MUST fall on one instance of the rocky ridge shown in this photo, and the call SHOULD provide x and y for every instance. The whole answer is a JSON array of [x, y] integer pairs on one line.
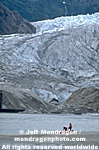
[[62, 57], [11, 22], [18, 98]]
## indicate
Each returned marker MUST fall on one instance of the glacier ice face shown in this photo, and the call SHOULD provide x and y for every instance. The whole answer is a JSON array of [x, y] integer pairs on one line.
[[60, 58], [64, 23]]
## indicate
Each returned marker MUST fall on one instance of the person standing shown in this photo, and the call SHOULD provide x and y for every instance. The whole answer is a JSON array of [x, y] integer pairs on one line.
[[70, 126]]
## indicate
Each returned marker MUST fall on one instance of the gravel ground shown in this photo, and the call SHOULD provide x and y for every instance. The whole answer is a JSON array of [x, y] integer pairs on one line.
[[77, 141]]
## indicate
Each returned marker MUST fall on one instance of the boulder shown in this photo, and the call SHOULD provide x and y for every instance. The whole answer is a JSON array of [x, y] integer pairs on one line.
[[77, 112], [54, 101]]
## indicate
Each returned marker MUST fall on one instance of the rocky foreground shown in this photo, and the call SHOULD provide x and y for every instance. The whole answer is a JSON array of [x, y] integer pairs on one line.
[[55, 70], [80, 141]]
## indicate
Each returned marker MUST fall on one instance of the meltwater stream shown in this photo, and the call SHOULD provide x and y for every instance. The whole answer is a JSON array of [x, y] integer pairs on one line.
[[13, 123]]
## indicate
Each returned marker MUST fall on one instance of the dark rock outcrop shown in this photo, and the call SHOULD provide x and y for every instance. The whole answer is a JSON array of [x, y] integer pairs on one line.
[[54, 101], [11, 22]]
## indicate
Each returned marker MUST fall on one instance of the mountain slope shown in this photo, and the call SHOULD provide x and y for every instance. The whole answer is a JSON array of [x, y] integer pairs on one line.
[[85, 98], [11, 22], [34, 10], [18, 98]]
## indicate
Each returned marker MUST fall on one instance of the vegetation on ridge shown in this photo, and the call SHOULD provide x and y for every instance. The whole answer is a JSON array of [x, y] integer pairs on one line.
[[34, 10]]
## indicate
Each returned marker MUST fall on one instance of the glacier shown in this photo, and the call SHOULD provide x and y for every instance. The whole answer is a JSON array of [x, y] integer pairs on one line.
[[60, 58]]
